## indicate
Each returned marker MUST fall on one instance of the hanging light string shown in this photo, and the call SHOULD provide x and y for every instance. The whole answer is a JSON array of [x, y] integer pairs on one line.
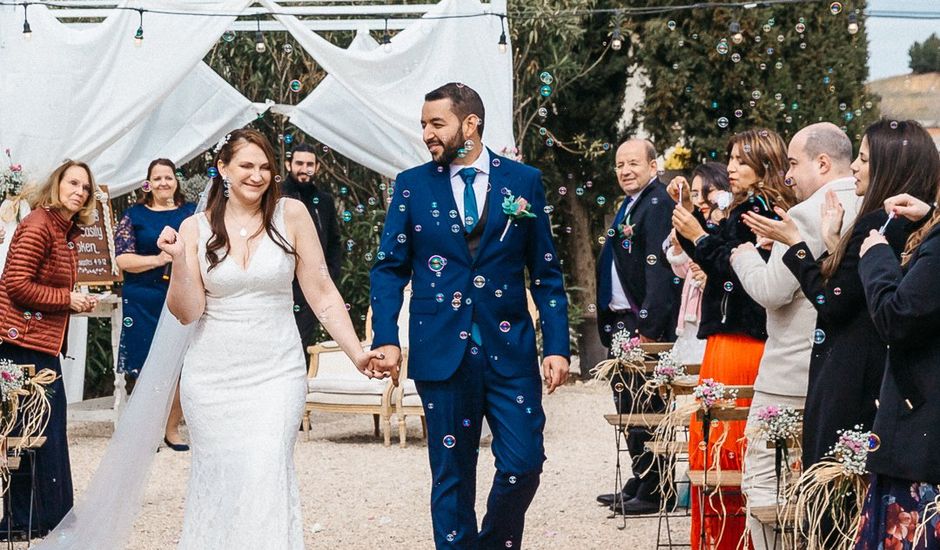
[[27, 32], [139, 35], [520, 13], [616, 35]]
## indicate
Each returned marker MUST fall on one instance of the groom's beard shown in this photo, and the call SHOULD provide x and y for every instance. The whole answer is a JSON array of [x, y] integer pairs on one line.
[[449, 154]]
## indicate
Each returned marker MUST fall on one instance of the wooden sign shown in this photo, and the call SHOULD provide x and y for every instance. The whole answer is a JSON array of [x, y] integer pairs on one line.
[[96, 254]]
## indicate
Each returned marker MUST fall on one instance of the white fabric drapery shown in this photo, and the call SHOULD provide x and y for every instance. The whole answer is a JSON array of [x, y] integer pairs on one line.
[[368, 108], [78, 93], [193, 118]]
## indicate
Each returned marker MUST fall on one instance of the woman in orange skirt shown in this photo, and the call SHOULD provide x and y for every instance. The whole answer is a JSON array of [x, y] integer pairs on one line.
[[733, 324]]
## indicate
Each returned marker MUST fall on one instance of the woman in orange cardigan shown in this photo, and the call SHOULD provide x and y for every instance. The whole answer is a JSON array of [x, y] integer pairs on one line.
[[36, 300]]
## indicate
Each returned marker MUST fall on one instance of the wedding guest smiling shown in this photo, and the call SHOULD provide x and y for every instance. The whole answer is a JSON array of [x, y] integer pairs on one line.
[[637, 292], [36, 300], [146, 273]]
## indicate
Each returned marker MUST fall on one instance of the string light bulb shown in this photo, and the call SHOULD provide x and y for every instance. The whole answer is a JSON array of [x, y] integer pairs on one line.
[[616, 36], [260, 47], [616, 40], [386, 39], [139, 35], [736, 35], [503, 45], [27, 32], [853, 23]]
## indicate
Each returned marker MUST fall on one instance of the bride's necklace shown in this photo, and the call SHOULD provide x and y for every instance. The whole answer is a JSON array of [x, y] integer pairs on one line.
[[243, 230]]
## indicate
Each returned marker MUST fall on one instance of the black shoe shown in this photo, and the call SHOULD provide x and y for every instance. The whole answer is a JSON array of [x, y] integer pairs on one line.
[[636, 507], [608, 499], [628, 492], [178, 447]]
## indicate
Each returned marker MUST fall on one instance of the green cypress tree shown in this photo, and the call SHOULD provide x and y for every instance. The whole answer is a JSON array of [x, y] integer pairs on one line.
[[925, 56], [716, 72]]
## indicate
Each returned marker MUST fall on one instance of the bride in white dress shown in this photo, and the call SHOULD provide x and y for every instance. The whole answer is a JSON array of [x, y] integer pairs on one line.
[[243, 382]]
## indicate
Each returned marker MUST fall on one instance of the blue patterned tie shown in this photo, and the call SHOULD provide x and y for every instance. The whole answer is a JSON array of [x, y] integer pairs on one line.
[[469, 199], [470, 219]]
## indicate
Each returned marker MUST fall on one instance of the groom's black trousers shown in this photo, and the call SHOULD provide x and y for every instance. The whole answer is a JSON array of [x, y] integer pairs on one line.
[[455, 409]]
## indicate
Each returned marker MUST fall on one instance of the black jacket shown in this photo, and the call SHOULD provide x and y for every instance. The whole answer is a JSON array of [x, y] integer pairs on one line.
[[644, 272], [323, 211], [726, 307], [848, 360], [905, 307]]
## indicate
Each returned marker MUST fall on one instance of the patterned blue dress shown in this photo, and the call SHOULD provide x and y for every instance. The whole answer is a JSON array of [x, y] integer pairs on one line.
[[144, 293]]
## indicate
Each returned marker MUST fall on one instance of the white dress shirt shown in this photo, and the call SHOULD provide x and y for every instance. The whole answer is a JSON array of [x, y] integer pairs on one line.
[[480, 183]]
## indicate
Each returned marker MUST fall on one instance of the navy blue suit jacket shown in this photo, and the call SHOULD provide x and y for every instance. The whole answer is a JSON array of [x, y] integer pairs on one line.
[[423, 241], [645, 274]]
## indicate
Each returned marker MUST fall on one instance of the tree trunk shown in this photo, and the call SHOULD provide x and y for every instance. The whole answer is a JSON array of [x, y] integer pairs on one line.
[[580, 251]]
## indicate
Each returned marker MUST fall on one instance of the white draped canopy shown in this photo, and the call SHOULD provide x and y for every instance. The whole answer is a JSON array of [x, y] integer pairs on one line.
[[90, 94]]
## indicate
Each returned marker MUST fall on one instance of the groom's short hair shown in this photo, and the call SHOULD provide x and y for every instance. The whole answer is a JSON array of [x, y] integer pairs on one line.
[[464, 101]]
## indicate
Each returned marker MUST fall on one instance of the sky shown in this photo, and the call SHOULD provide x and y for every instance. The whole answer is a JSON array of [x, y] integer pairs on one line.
[[889, 39]]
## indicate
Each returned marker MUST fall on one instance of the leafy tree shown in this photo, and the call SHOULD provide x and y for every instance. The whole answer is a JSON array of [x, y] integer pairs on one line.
[[925, 56], [568, 132], [786, 66]]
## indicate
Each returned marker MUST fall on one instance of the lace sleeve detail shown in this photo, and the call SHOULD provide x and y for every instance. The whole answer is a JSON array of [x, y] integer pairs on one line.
[[124, 240]]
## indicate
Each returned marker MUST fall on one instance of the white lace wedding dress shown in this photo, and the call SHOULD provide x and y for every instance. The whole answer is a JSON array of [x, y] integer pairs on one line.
[[243, 389]]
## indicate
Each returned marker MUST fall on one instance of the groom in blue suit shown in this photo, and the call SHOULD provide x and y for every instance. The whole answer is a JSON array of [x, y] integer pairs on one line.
[[466, 229]]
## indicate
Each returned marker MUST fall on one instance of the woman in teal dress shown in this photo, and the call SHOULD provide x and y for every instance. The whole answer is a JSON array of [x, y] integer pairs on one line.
[[146, 273]]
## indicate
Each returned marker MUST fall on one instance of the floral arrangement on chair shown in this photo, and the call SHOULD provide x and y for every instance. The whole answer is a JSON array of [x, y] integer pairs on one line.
[[626, 355], [778, 424], [712, 394], [666, 371], [11, 178], [21, 396], [820, 495]]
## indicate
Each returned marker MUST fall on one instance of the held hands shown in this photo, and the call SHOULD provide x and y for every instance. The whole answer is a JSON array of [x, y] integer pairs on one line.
[[381, 362], [171, 243], [783, 231], [554, 371], [686, 224], [907, 206], [82, 303], [830, 217], [874, 238]]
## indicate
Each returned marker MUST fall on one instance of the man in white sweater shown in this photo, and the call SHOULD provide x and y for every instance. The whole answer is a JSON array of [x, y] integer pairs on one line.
[[819, 156]]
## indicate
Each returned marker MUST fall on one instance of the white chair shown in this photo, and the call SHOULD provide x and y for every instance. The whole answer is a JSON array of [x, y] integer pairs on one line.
[[334, 384]]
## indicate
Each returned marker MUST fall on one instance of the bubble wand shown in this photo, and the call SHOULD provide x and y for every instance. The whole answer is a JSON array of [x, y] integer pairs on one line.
[[891, 216]]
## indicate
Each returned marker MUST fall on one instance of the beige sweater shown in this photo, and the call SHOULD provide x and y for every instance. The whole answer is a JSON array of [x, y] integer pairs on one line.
[[791, 318]]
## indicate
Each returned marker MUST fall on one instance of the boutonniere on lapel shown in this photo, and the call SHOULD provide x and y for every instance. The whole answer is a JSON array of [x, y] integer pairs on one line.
[[626, 231], [515, 209]]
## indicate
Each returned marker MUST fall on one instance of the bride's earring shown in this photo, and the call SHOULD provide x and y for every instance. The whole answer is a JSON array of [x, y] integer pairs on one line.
[[226, 184]]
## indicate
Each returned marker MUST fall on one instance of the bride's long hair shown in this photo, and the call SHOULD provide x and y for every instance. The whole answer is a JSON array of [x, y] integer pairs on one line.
[[217, 200]]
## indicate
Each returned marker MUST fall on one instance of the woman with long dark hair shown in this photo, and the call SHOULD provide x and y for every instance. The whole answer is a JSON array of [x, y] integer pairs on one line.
[[709, 180], [901, 505], [147, 273], [243, 384], [732, 322], [37, 298]]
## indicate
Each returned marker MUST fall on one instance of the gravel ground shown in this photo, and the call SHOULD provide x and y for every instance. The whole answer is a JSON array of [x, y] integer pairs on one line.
[[358, 494]]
